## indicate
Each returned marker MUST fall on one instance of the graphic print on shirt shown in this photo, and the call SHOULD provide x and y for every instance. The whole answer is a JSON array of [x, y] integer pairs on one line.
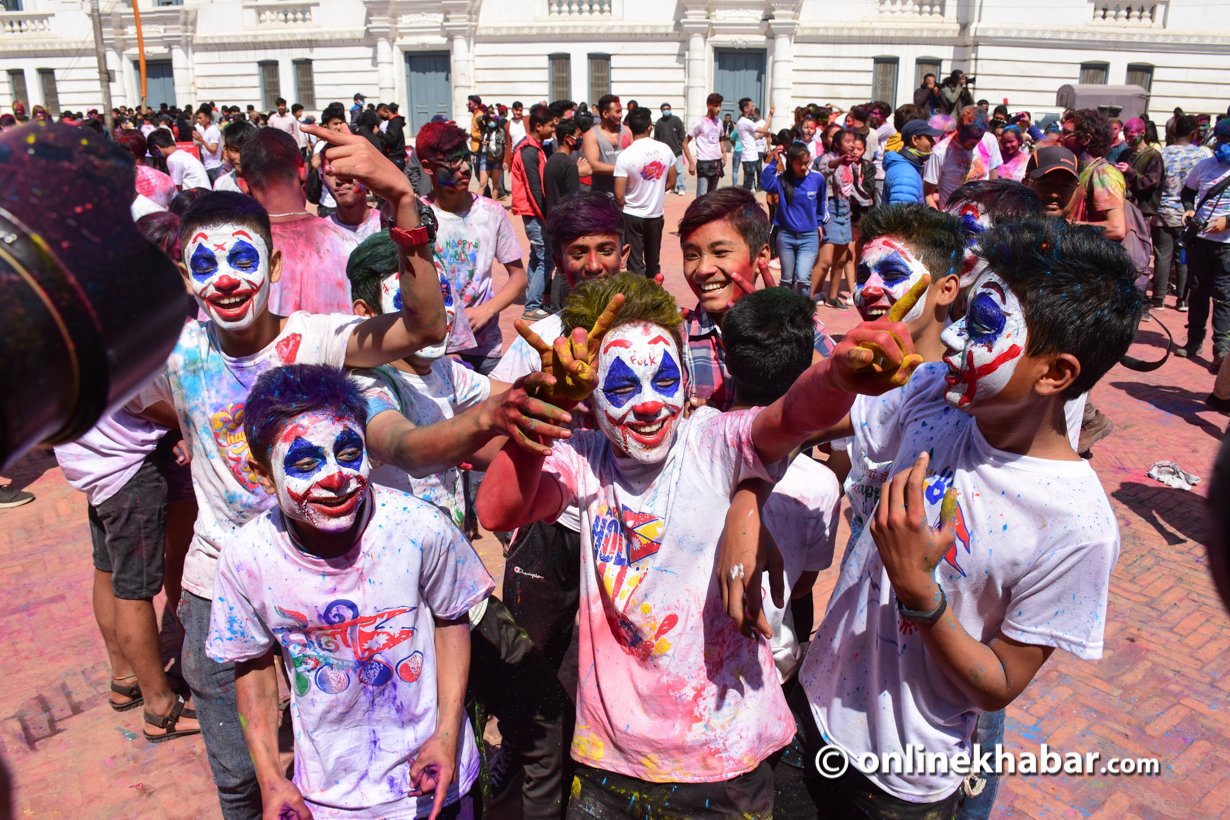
[[346, 647], [457, 259], [227, 426], [639, 630], [653, 170]]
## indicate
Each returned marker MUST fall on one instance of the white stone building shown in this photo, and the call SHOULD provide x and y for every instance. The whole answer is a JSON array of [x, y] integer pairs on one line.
[[429, 54]]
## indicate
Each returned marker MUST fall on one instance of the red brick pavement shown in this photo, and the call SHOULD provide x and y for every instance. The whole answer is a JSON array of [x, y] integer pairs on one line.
[[1161, 690]]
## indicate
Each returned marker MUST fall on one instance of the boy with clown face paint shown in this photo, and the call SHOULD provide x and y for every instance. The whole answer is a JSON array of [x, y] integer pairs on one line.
[[983, 483], [673, 704], [364, 591]]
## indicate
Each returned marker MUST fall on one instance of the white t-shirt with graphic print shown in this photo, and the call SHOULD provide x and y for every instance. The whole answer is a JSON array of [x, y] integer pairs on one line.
[[208, 390], [1036, 541]]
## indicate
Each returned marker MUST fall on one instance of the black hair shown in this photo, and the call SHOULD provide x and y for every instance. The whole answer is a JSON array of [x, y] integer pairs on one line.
[[279, 101], [604, 102], [284, 394], [161, 228], [474, 98], [368, 119], [559, 108], [236, 134], [1004, 200], [785, 136], [582, 213], [735, 205], [907, 113], [768, 336], [745, 101], [1077, 290], [639, 121], [213, 208], [860, 112], [270, 156], [370, 262], [565, 128], [185, 199], [1184, 126], [539, 115], [787, 179], [1094, 126], [935, 236], [333, 111], [160, 138]]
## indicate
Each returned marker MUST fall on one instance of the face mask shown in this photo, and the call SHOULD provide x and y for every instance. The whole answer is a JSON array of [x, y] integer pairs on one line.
[[391, 302], [1134, 139], [974, 223], [985, 345], [640, 397], [886, 272], [666, 112], [319, 467], [228, 269], [1222, 152]]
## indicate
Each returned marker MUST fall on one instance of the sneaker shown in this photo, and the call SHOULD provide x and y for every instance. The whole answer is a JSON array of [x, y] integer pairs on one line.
[[534, 315], [1157, 304], [1187, 352], [1181, 305], [10, 497]]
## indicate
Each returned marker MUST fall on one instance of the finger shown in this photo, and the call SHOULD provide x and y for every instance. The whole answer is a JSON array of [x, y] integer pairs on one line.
[[542, 410], [607, 319], [948, 510], [526, 443], [906, 369], [533, 339], [741, 282], [914, 490], [441, 795], [659, 279], [734, 600], [777, 578], [563, 347], [765, 275], [860, 358], [753, 605], [537, 427], [902, 307]]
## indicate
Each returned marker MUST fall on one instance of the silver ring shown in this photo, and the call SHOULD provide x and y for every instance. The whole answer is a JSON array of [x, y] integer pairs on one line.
[[736, 572]]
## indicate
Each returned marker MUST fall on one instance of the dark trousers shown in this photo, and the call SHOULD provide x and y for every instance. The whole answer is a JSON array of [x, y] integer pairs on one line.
[[751, 175], [645, 238], [542, 583], [605, 795], [1209, 286], [1165, 245], [512, 679]]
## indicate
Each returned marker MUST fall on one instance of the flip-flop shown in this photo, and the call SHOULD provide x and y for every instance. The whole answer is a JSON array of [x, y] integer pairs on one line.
[[180, 709], [133, 693]]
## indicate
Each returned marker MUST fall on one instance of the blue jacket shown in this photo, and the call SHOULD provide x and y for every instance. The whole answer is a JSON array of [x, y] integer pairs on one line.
[[807, 208], [902, 178]]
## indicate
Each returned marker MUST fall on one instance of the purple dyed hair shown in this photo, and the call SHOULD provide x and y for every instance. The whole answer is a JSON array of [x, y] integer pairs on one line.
[[584, 213], [283, 394]]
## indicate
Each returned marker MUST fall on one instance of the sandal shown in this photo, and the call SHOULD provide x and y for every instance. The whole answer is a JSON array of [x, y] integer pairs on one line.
[[133, 693], [180, 709]]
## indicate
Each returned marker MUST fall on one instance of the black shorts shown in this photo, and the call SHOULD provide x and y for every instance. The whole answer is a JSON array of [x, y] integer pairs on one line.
[[128, 531], [597, 793]]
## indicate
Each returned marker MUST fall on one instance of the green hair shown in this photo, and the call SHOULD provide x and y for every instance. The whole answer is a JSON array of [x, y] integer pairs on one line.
[[373, 260], [644, 301]]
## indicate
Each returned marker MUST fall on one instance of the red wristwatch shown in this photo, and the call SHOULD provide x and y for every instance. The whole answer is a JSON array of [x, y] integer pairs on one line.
[[410, 239]]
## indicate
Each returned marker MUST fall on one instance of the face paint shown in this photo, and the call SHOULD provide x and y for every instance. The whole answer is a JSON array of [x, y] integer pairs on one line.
[[640, 397], [886, 272], [228, 269], [319, 466], [985, 345], [974, 223]]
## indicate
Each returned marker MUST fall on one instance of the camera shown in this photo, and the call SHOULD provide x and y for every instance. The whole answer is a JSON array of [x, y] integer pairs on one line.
[[1191, 231], [969, 80]]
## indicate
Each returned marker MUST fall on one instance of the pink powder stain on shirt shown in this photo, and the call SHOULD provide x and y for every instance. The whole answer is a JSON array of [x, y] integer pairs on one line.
[[314, 255]]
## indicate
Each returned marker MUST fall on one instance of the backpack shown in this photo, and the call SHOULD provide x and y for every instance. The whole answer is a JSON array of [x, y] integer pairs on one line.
[[495, 143], [1138, 238]]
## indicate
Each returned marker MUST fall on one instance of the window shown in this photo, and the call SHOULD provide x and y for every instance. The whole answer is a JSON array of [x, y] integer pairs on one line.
[[305, 84], [271, 87], [1140, 74], [51, 96], [17, 82], [168, 2], [11, 5], [560, 76], [599, 76], [924, 66], [884, 80], [1094, 73]]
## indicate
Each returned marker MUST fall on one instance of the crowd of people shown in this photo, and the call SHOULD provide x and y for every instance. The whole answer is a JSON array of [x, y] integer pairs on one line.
[[307, 473]]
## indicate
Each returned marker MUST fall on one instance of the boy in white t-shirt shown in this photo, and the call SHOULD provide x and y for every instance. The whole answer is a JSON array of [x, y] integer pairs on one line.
[[185, 170], [970, 154], [1019, 560], [674, 706], [364, 592], [643, 172]]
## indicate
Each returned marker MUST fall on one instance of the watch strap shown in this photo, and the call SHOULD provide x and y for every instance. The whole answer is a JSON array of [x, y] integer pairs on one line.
[[410, 238], [924, 616]]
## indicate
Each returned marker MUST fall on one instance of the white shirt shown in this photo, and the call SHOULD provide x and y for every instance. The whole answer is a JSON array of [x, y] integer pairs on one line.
[[950, 166], [357, 637], [369, 225], [747, 138], [645, 164], [143, 205], [706, 134], [106, 458], [187, 171], [762, 142], [326, 197], [516, 131], [212, 135], [208, 390], [1036, 540], [228, 182]]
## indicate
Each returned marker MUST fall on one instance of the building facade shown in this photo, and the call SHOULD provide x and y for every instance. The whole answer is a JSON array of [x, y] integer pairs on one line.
[[430, 54]]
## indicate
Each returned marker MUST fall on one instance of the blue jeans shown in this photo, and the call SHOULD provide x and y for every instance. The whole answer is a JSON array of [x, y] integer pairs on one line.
[[681, 175], [540, 266], [988, 733], [797, 253], [213, 695]]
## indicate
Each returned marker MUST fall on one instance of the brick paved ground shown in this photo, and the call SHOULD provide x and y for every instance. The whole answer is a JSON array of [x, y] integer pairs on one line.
[[1161, 689]]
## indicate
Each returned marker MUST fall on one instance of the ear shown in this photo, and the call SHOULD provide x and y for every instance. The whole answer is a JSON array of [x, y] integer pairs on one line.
[[1063, 370], [275, 266], [183, 272], [623, 256], [262, 476], [362, 308], [764, 255], [944, 291]]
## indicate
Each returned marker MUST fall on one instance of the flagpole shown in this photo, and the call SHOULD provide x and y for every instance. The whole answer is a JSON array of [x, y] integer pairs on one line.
[[136, 14]]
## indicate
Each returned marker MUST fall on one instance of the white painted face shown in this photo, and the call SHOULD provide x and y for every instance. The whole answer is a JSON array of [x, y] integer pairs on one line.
[[319, 466], [390, 302], [640, 394], [974, 223], [228, 268], [984, 345], [886, 272]]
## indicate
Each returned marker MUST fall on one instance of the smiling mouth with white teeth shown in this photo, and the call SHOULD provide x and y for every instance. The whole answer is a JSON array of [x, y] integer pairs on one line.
[[712, 286]]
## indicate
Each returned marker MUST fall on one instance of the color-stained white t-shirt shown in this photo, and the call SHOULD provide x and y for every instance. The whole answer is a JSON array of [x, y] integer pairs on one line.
[[669, 690], [1036, 541], [357, 636], [208, 390], [645, 164], [186, 171], [369, 225], [106, 458], [314, 256], [746, 127], [950, 166]]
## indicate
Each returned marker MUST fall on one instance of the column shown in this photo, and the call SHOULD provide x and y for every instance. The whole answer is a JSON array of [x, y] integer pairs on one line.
[[463, 75], [181, 68], [385, 69], [697, 77], [781, 91]]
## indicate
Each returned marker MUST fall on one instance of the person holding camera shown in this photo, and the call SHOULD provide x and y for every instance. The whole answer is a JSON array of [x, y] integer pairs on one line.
[[1178, 159], [955, 92], [1206, 215]]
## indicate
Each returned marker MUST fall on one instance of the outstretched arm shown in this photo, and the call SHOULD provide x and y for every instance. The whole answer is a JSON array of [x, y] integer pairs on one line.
[[515, 491]]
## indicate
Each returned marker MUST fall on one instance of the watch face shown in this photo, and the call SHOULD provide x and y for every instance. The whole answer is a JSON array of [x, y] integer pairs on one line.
[[427, 218]]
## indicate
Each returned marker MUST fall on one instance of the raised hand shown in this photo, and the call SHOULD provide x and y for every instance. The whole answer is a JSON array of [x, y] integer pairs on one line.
[[352, 157], [909, 547], [527, 420], [873, 358], [573, 360]]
